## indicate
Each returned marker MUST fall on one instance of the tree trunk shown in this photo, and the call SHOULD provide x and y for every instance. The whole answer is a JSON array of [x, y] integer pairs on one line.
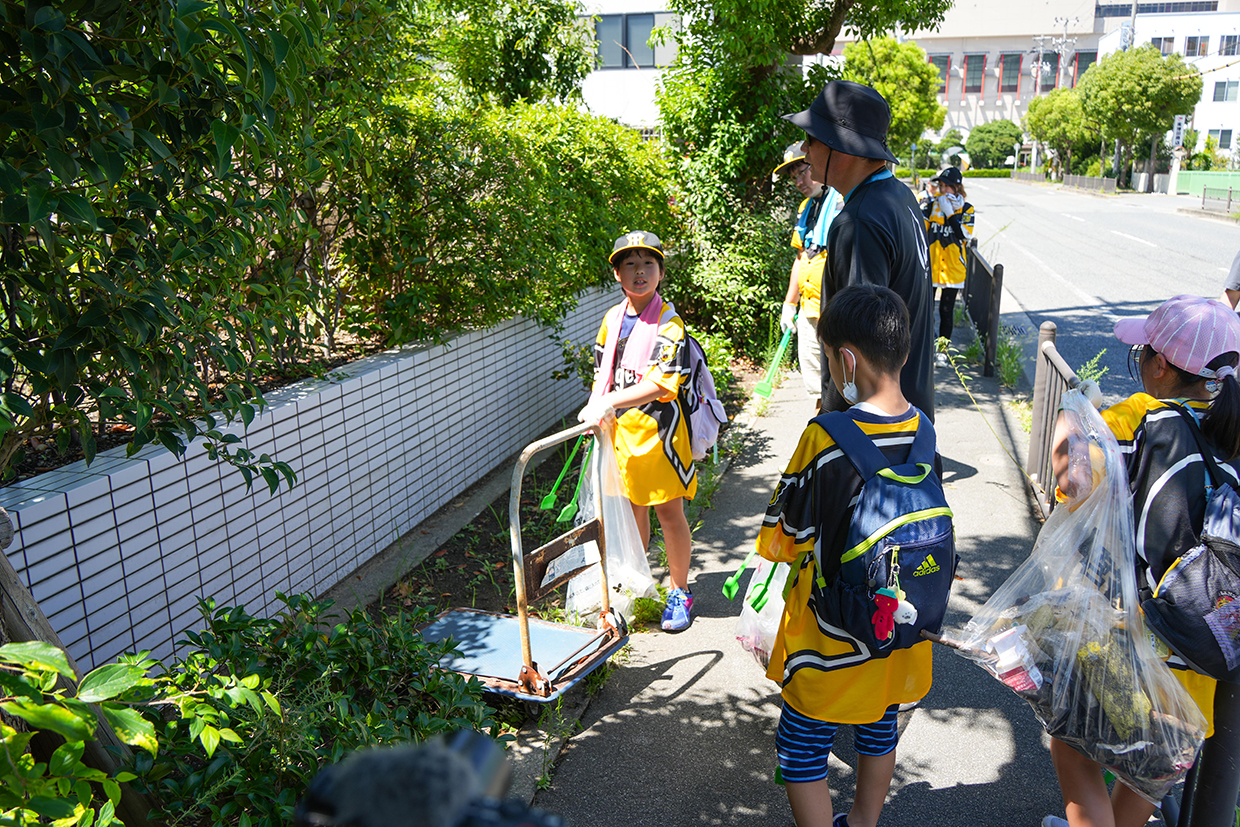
[[21, 620]]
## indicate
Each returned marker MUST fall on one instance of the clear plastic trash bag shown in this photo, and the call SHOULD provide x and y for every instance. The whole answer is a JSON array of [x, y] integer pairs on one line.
[[1065, 631], [762, 609], [628, 570]]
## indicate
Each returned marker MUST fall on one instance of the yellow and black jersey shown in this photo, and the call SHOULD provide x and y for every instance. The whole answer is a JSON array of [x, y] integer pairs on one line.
[[947, 257], [652, 441], [1167, 477], [825, 673]]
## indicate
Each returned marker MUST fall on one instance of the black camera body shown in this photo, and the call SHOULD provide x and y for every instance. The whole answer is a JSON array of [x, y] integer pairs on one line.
[[457, 781]]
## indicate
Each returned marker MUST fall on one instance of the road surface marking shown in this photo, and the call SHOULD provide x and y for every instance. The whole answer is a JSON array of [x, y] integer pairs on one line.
[[1073, 217], [1134, 238], [1086, 299]]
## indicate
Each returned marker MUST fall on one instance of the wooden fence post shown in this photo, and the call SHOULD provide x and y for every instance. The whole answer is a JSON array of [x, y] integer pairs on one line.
[[22, 620]]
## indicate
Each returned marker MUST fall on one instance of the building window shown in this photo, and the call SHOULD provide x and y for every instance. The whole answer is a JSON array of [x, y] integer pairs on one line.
[[624, 40], [974, 72], [1009, 74], [1222, 137], [1048, 77], [1230, 45], [1225, 90], [1196, 46], [609, 31], [1166, 45], [1083, 61], [1125, 9], [944, 64]]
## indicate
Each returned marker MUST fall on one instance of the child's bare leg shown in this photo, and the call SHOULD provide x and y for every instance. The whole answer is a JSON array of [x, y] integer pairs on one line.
[[641, 513], [811, 803], [1085, 798], [873, 781], [677, 541], [1129, 809]]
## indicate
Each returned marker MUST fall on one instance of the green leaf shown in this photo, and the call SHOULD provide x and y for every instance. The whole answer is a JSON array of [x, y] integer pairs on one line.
[[18, 687], [210, 738], [131, 727], [188, 8], [66, 758], [66, 168], [52, 717], [77, 208], [273, 703], [107, 682], [38, 655], [112, 790], [52, 807], [226, 734], [225, 135]]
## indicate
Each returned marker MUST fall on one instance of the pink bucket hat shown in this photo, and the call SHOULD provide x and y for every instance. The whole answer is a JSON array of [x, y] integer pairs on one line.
[[1189, 331]]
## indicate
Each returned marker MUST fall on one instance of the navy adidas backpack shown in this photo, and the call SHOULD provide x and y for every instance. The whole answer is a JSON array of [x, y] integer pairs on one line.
[[899, 558]]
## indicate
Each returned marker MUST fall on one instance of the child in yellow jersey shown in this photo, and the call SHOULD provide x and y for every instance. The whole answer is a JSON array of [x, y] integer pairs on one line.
[[640, 363], [829, 677], [948, 228]]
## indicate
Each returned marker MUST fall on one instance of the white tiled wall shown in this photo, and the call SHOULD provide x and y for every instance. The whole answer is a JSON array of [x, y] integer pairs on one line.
[[117, 553]]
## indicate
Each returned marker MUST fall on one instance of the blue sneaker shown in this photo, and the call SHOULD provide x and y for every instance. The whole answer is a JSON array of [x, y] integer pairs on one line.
[[677, 612]]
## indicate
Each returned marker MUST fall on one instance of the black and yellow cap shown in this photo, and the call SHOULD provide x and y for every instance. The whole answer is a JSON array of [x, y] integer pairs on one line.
[[637, 240], [792, 155]]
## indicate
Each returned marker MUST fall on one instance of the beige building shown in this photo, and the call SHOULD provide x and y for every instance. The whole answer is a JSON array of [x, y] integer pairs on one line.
[[990, 51]]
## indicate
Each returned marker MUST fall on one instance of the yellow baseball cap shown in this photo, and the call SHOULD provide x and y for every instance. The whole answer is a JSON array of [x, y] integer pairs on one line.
[[792, 155]]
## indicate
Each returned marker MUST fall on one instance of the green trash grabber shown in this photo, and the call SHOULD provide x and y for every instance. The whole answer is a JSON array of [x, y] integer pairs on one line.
[[768, 384], [569, 511], [549, 500], [733, 583]]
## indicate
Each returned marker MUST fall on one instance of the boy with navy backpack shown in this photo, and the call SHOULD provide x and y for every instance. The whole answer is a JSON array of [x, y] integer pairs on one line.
[[860, 516]]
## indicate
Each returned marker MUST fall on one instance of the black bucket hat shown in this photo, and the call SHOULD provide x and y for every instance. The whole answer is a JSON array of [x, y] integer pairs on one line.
[[849, 117]]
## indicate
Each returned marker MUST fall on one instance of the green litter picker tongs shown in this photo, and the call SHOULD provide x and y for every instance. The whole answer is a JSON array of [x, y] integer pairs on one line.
[[767, 385]]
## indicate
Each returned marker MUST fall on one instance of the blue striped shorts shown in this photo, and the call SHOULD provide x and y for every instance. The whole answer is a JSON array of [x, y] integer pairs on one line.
[[804, 744]]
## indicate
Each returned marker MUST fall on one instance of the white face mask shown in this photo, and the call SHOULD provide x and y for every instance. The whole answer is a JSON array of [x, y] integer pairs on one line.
[[849, 390]]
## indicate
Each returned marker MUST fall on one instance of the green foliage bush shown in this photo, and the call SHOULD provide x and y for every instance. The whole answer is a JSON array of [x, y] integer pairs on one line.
[[734, 287], [988, 173], [360, 682], [991, 142], [193, 194], [234, 731]]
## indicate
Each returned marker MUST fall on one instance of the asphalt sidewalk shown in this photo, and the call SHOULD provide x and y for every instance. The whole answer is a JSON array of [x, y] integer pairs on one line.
[[683, 733]]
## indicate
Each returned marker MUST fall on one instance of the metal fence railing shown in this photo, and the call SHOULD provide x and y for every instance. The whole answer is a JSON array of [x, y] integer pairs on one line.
[[1224, 199], [1037, 177], [983, 287], [1051, 379], [1089, 182]]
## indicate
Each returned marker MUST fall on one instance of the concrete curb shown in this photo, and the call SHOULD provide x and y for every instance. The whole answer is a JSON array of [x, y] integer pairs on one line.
[[1208, 216]]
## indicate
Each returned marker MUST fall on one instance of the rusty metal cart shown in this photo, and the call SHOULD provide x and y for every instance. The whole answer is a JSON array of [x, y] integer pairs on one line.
[[500, 649]]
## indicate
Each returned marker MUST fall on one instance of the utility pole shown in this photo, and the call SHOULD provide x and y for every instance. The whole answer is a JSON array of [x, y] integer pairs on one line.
[[1037, 71]]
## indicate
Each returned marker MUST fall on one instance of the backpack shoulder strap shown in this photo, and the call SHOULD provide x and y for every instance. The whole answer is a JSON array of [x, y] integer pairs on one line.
[[1216, 475], [859, 448], [923, 447]]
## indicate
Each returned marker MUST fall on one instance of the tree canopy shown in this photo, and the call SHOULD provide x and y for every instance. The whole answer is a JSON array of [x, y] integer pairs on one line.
[[1058, 120], [193, 194], [990, 143], [902, 75], [1134, 94]]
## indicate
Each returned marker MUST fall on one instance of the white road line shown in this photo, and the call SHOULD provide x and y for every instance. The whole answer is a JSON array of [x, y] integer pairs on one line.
[[1086, 299], [1073, 217], [1134, 238]]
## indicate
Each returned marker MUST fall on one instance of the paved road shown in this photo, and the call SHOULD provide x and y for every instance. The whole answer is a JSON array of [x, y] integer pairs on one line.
[[1083, 261]]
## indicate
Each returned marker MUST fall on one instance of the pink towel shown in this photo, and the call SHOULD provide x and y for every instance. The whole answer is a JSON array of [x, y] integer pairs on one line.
[[637, 350]]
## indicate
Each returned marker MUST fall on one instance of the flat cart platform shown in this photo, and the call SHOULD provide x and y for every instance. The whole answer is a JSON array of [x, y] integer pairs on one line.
[[504, 651]]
